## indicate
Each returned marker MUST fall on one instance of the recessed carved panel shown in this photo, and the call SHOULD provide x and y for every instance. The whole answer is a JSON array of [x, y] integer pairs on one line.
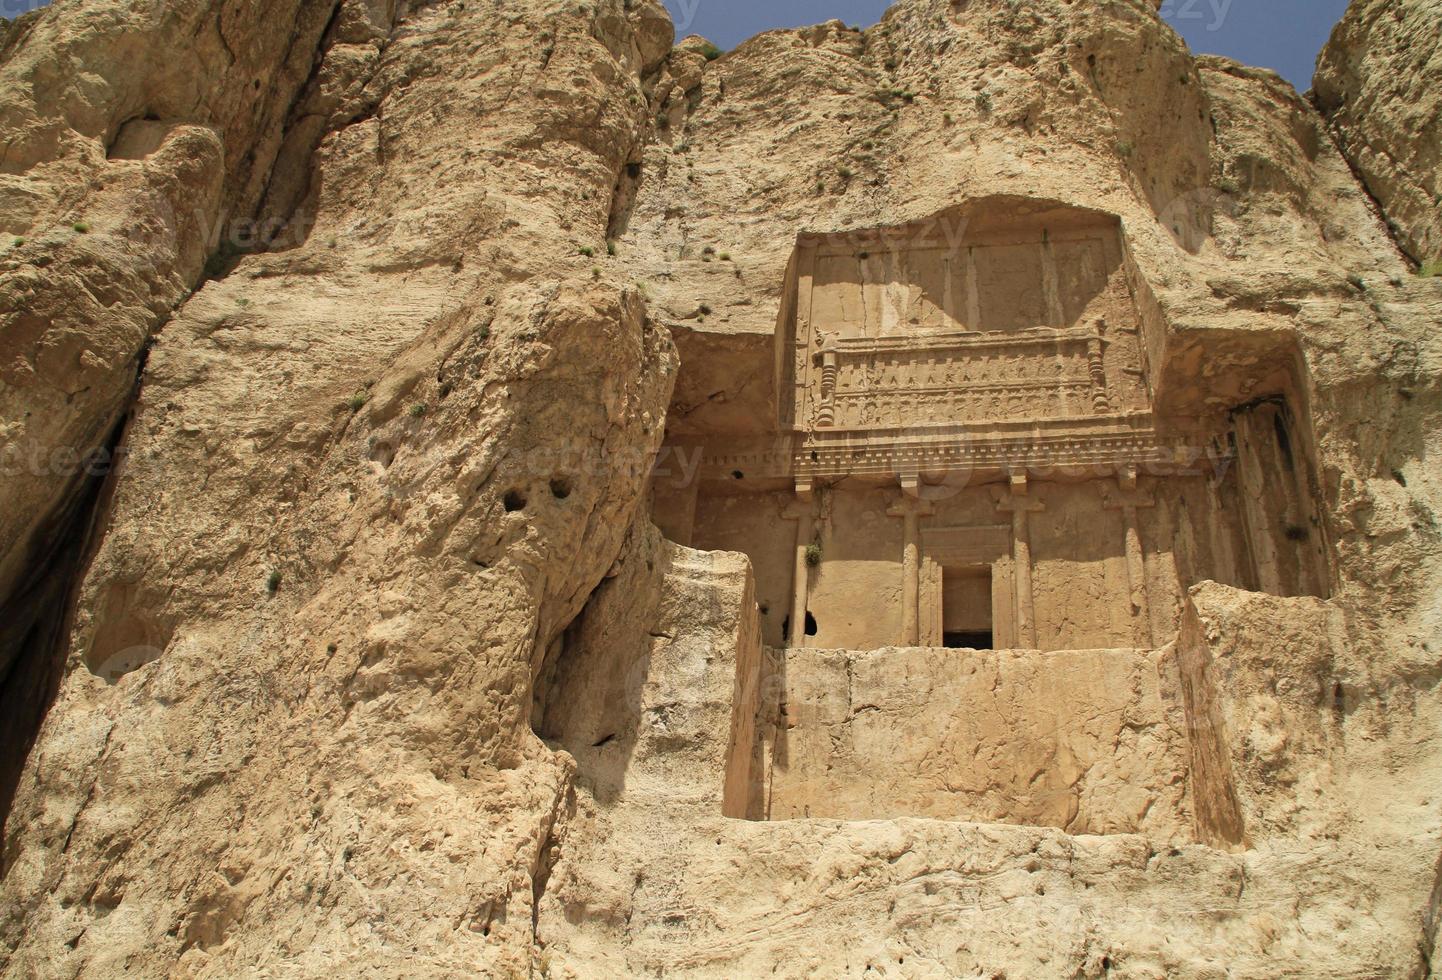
[[1021, 317]]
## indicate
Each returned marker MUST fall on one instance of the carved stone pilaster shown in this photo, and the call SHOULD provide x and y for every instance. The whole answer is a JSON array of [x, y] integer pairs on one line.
[[802, 511], [1019, 505], [910, 508], [1126, 498]]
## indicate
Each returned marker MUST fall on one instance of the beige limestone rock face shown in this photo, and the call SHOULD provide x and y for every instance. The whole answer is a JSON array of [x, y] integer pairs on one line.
[[1376, 83], [370, 477], [127, 159], [380, 668]]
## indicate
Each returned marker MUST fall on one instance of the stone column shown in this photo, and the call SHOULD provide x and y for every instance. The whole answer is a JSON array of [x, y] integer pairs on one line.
[[801, 336], [1020, 505], [910, 508], [1128, 500], [1096, 366], [800, 511], [826, 406]]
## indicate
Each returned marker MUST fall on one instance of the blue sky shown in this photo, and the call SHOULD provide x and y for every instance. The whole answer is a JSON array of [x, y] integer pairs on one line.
[[1284, 35]]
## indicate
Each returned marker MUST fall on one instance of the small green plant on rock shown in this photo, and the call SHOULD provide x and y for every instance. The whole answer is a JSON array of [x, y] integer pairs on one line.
[[81, 227], [813, 554], [272, 582], [1431, 269], [418, 409], [18, 242], [710, 51], [1125, 148], [357, 402], [587, 251]]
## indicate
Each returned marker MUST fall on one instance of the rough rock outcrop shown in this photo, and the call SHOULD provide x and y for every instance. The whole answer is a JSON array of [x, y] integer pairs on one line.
[[376, 665], [1377, 85], [126, 156], [372, 473]]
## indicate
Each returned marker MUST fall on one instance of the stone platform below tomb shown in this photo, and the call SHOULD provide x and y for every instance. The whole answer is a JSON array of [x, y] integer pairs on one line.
[[1088, 741]]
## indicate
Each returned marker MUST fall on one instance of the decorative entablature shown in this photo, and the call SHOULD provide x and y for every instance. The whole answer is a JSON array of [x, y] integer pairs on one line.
[[1071, 449]]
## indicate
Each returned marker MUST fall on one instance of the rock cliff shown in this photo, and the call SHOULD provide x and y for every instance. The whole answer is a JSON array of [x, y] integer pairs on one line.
[[365, 657], [1377, 85]]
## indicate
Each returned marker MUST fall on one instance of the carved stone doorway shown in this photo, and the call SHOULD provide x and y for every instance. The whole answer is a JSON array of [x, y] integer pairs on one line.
[[966, 615]]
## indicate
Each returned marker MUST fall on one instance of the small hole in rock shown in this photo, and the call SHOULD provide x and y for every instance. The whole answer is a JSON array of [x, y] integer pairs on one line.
[[513, 500], [810, 624], [560, 487], [602, 740], [737, 475], [383, 453]]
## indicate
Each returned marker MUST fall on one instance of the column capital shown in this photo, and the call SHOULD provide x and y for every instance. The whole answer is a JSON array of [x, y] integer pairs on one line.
[[905, 505], [1016, 503], [802, 505], [908, 506], [1120, 497]]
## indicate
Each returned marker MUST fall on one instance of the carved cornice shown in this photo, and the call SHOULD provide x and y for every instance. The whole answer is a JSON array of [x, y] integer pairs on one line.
[[1099, 445]]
